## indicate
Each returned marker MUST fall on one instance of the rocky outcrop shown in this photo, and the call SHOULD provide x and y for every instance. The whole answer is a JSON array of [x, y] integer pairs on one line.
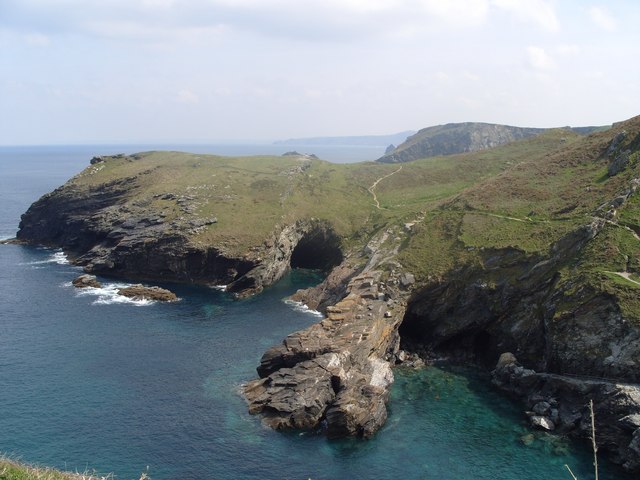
[[140, 292], [106, 233], [456, 138], [336, 374], [561, 403], [85, 281], [307, 243]]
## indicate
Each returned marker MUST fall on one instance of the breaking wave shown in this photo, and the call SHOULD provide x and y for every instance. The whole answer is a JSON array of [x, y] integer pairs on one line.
[[301, 307], [108, 295]]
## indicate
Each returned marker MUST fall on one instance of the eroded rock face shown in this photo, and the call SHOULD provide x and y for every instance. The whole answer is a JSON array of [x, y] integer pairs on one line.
[[305, 244], [106, 233], [557, 402], [336, 372]]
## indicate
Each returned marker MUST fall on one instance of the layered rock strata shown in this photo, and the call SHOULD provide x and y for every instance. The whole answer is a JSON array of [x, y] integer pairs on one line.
[[335, 374]]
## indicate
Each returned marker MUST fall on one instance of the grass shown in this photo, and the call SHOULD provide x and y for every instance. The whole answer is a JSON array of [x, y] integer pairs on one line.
[[524, 196], [14, 470]]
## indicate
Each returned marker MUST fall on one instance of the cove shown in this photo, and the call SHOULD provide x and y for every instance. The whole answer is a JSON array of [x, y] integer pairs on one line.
[[88, 381]]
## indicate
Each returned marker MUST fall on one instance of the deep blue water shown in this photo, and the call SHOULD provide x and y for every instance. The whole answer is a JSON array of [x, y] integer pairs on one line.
[[89, 382]]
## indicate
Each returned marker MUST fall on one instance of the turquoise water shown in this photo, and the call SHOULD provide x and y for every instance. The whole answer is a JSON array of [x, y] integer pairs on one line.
[[87, 380]]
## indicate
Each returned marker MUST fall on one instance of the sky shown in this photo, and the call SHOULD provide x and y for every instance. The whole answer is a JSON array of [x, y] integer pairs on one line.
[[129, 71]]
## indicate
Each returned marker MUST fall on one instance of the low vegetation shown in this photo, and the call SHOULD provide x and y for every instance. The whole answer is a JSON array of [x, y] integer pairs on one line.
[[525, 195], [14, 470]]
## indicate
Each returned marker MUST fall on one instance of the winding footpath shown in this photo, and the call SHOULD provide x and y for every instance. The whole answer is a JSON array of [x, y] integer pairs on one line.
[[372, 188]]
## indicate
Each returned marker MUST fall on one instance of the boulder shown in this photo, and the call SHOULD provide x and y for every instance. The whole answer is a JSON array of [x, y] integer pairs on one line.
[[543, 423], [407, 280], [140, 292], [505, 359], [86, 280]]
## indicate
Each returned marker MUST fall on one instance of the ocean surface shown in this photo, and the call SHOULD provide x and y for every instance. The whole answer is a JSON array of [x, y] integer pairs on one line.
[[91, 381]]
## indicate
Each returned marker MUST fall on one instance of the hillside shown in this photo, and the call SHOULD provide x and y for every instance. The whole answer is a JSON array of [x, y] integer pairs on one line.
[[455, 138], [530, 247]]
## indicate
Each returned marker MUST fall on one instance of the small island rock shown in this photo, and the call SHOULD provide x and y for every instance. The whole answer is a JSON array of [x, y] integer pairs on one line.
[[140, 292], [86, 280]]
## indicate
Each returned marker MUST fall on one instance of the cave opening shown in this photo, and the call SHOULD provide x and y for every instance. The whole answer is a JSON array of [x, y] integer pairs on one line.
[[318, 249], [422, 333]]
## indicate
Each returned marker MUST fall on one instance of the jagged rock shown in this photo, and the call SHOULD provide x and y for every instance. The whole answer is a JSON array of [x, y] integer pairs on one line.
[[86, 280], [632, 422], [541, 408], [617, 407], [333, 370], [615, 142], [543, 423], [633, 460], [618, 164], [389, 149], [140, 292]]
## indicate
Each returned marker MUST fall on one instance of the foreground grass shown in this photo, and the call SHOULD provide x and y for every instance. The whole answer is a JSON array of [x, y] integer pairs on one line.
[[13, 470]]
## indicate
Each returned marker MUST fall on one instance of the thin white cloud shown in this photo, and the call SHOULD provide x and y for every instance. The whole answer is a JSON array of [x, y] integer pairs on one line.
[[568, 49], [187, 96], [37, 40], [602, 18], [316, 20], [539, 59], [458, 12], [537, 12]]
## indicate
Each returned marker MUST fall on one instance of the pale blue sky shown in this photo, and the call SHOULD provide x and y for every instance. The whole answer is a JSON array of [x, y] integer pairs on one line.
[[113, 71]]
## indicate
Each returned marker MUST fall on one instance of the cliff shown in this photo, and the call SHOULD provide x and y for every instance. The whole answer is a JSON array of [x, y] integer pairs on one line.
[[531, 248], [456, 138]]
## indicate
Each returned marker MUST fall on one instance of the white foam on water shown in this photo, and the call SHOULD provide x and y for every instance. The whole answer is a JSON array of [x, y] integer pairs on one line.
[[57, 257], [222, 288], [301, 307], [108, 295]]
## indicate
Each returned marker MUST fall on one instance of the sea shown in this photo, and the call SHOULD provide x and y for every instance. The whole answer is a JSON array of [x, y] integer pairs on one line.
[[93, 382]]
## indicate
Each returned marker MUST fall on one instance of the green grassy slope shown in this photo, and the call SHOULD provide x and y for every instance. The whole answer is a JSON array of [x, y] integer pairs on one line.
[[524, 195]]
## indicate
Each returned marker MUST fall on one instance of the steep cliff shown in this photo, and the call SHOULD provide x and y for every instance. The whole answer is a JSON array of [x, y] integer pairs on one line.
[[456, 138]]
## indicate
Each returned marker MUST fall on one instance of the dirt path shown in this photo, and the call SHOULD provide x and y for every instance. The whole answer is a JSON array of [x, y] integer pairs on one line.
[[625, 275], [375, 184]]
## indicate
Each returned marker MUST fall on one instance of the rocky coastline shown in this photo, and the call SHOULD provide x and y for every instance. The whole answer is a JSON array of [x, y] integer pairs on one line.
[[336, 374], [564, 317]]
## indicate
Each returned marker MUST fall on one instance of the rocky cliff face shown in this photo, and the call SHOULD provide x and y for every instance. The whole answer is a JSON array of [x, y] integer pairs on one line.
[[561, 404], [456, 138], [106, 233]]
